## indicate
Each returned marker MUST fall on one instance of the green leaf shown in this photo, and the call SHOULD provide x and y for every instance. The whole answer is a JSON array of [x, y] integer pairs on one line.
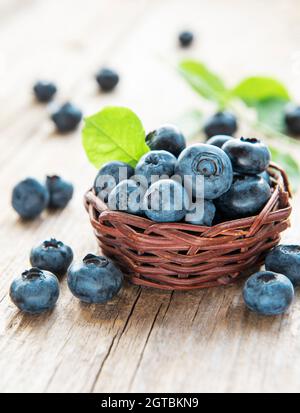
[[289, 164], [270, 112], [254, 89], [204, 81], [114, 134]]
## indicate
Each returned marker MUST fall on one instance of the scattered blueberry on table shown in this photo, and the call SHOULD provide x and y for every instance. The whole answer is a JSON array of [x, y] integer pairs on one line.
[[292, 119], [67, 118], [44, 91], [222, 123], [186, 38], [107, 79], [268, 293], [30, 198], [95, 280], [60, 192], [35, 291], [285, 259], [168, 138], [53, 256]]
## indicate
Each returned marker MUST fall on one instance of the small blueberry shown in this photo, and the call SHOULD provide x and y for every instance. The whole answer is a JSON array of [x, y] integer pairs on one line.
[[107, 79], [35, 291], [222, 123], [185, 38], [285, 259], [292, 119], [67, 118], [30, 198], [60, 191], [168, 138], [155, 164], [44, 91]]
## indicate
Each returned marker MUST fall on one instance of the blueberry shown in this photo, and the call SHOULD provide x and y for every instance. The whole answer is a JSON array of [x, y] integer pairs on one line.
[[268, 293], [248, 156], [95, 280], [222, 123], [204, 216], [210, 162], [35, 291], [67, 118], [44, 91], [185, 38], [60, 191], [53, 256], [107, 79], [266, 176], [168, 138], [30, 198], [127, 196], [166, 201], [219, 140], [155, 164], [292, 119], [110, 175], [246, 197], [285, 259]]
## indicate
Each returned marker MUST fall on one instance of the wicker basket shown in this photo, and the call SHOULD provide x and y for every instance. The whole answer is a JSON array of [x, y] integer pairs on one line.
[[179, 256]]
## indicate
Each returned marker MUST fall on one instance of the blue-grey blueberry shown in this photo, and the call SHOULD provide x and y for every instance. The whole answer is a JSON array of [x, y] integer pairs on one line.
[[209, 162], [107, 79], [166, 201], [248, 155], [30, 198], [44, 91], [186, 38], [35, 291], [219, 140], [53, 256], [109, 176], [60, 191], [285, 259], [67, 118], [292, 119], [167, 138], [204, 214], [268, 293], [222, 123], [246, 197], [95, 280], [127, 196], [156, 164]]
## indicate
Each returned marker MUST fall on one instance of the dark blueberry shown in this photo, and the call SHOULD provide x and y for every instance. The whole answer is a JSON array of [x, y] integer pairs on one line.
[[219, 140], [186, 38], [30, 198], [222, 123], [60, 191], [109, 176], [53, 256], [168, 138], [292, 119], [268, 293], [67, 118], [155, 164], [107, 79], [166, 201], [285, 259], [35, 291], [248, 156], [209, 162], [44, 91], [246, 197], [203, 214], [127, 196], [95, 280]]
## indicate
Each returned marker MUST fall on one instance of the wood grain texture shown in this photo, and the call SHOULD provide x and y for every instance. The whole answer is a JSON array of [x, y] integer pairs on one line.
[[144, 340]]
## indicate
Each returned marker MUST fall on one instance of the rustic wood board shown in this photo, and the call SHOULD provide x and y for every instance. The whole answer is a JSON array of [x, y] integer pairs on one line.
[[144, 340]]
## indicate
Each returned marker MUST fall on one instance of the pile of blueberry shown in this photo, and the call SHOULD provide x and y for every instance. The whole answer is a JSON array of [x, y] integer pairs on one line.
[[31, 197], [68, 116], [235, 181], [94, 280]]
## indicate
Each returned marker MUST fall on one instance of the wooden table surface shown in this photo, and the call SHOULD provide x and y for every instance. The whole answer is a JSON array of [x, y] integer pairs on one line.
[[144, 340]]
